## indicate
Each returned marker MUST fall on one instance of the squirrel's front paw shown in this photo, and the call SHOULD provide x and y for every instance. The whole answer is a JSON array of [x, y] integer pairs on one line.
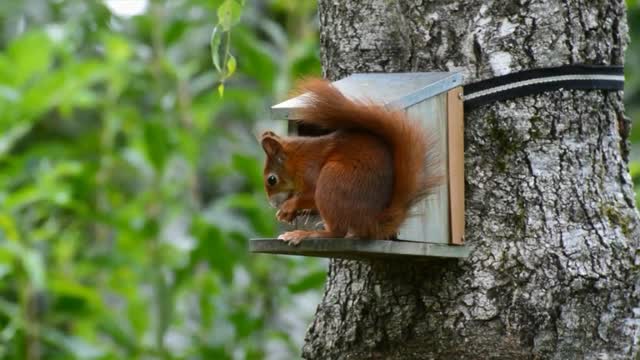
[[287, 211], [294, 237], [285, 216]]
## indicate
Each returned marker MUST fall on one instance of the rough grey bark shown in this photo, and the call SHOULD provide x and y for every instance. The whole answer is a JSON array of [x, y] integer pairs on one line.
[[550, 209]]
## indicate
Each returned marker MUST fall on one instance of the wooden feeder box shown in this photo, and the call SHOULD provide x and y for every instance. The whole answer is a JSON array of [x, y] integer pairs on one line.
[[437, 227]]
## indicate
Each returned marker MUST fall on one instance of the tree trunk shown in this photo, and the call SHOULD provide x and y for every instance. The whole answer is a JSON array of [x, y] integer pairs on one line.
[[550, 209]]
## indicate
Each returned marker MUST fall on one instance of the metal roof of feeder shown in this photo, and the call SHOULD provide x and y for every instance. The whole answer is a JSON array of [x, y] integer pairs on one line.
[[397, 90]]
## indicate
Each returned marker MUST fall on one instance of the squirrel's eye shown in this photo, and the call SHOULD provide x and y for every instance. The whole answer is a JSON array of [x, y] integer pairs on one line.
[[272, 180]]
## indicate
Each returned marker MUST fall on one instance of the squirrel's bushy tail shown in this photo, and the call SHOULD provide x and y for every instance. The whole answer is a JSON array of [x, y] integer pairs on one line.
[[412, 149]]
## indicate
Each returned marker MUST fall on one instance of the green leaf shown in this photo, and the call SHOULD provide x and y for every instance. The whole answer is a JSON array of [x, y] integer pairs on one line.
[[221, 89], [311, 281], [157, 144], [634, 169], [254, 208], [214, 352], [7, 75], [231, 65], [116, 48], [61, 87], [74, 290], [31, 55], [119, 334], [175, 31], [216, 40], [213, 248], [34, 267], [229, 14], [11, 136], [263, 66], [245, 323], [76, 346], [4, 270], [634, 136], [250, 167], [8, 228]]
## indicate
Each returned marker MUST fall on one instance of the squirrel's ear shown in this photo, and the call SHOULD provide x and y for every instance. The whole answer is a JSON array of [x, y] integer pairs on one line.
[[272, 147], [268, 134]]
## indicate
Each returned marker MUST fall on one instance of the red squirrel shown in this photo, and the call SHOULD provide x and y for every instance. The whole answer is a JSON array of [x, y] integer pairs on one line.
[[362, 177]]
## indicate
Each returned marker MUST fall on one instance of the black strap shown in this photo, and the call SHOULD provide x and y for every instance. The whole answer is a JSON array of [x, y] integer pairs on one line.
[[529, 82]]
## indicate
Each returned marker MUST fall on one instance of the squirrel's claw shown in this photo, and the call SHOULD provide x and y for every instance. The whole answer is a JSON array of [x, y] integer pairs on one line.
[[293, 237], [285, 216]]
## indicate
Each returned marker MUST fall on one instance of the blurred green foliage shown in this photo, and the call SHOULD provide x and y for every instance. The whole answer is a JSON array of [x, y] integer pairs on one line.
[[129, 187], [632, 89]]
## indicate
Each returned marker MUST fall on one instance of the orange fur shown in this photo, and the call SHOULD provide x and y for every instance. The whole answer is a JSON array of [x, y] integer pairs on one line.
[[362, 178]]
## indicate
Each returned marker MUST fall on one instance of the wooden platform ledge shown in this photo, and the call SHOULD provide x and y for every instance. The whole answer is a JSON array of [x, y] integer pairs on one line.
[[359, 249]]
